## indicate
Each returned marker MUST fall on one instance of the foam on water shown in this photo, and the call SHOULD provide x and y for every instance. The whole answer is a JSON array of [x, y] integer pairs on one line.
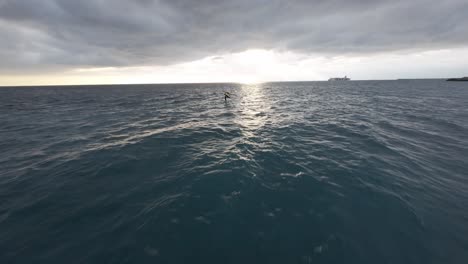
[[317, 172]]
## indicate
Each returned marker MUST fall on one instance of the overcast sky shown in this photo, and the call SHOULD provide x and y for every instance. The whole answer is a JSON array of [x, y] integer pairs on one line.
[[113, 41]]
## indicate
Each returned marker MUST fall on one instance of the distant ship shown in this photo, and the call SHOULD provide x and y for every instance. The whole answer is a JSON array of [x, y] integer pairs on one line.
[[340, 79]]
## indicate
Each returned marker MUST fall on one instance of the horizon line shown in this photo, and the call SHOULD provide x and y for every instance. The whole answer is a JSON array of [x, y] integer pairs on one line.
[[186, 83]]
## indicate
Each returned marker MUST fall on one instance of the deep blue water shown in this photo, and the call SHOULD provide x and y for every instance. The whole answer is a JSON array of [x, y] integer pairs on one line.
[[318, 172]]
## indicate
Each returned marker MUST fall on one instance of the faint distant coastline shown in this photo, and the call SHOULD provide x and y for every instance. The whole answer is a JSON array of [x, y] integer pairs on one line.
[[339, 79], [463, 79]]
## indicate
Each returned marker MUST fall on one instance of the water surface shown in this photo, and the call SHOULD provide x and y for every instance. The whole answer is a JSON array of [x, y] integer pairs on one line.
[[316, 172]]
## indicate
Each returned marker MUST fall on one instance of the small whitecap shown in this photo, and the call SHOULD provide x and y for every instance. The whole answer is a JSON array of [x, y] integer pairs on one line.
[[151, 251], [318, 249], [228, 197], [203, 219], [294, 175], [323, 178]]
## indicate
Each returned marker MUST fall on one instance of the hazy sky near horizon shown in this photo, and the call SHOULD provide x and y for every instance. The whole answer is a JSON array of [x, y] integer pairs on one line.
[[144, 41]]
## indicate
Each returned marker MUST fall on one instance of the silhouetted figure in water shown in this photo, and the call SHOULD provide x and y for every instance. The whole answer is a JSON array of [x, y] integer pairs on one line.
[[226, 96]]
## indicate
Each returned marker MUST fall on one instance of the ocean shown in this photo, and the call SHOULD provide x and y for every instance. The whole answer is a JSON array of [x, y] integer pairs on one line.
[[299, 172]]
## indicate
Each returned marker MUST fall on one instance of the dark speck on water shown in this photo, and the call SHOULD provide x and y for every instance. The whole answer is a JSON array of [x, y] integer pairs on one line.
[[307, 172]]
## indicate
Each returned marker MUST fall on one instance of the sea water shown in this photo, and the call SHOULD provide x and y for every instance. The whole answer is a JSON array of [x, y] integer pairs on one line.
[[306, 172]]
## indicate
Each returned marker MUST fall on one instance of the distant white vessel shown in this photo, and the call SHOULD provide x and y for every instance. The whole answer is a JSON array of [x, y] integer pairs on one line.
[[340, 79]]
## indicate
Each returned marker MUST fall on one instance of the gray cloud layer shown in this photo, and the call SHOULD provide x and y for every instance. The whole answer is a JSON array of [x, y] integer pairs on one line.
[[53, 34]]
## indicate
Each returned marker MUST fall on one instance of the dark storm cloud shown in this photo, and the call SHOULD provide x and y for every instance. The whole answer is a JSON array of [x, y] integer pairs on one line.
[[51, 34]]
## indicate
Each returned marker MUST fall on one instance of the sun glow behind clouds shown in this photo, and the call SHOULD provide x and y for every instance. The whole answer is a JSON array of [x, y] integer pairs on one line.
[[251, 66], [256, 65]]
